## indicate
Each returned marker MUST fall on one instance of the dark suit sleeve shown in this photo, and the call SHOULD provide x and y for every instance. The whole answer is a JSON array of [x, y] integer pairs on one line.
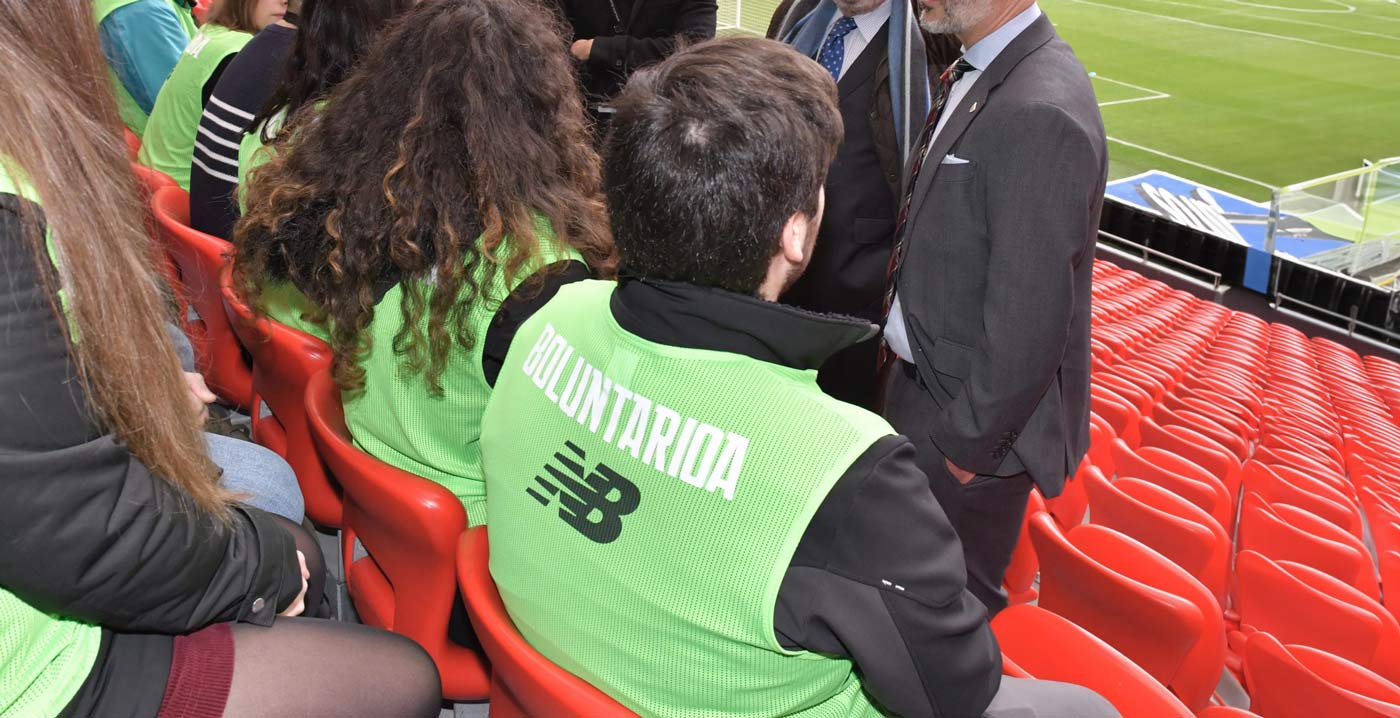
[[1040, 224], [695, 22], [86, 530], [879, 578]]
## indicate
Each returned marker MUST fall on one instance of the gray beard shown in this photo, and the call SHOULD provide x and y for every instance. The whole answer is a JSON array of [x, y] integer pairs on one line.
[[958, 16]]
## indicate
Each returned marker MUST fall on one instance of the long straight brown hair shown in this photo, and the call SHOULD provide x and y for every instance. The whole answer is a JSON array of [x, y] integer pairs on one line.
[[60, 135]]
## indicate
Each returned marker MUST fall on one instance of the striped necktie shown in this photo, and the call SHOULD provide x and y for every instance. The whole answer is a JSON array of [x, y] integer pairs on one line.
[[946, 81]]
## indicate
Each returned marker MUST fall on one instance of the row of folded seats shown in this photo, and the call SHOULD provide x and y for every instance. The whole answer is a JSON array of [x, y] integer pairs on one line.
[[1237, 510], [1237, 478]]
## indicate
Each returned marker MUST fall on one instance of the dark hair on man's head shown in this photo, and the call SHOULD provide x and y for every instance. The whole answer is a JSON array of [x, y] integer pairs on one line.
[[710, 153], [331, 36]]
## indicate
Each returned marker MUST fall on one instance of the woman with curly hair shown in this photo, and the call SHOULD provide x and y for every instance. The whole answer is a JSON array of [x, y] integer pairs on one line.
[[444, 192]]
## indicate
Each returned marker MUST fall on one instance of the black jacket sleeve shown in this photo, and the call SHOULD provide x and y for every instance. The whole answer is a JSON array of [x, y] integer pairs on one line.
[[694, 20], [528, 298], [85, 529], [879, 578]]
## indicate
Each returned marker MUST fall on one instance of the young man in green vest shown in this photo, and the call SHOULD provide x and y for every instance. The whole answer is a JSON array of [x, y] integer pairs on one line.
[[142, 41], [678, 514]]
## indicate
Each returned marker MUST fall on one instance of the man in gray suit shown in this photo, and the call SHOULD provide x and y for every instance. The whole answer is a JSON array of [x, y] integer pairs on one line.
[[989, 319]]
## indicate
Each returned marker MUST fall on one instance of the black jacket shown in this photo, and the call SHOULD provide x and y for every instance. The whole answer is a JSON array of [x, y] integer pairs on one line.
[[86, 530], [642, 32], [878, 576]]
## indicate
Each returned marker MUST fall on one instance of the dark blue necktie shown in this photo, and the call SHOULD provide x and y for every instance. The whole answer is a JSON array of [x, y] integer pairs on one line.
[[833, 52]]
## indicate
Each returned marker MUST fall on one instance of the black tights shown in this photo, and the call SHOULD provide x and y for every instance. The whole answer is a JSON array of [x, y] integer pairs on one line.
[[308, 667], [315, 564]]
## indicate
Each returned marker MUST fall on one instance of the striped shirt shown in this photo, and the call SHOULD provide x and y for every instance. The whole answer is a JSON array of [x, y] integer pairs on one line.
[[245, 85]]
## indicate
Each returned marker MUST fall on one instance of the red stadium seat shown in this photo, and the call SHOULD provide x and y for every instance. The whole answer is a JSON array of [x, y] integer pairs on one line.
[[1070, 506], [1302, 605], [133, 144], [1314, 496], [284, 360], [1122, 416], [1226, 712], [524, 684], [1137, 601], [1288, 533], [1040, 644], [410, 527], [1197, 448], [200, 258], [1019, 580], [1178, 476], [1169, 524], [1301, 682]]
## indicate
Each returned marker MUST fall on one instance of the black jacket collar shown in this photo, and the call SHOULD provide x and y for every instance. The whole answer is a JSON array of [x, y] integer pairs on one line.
[[686, 315]]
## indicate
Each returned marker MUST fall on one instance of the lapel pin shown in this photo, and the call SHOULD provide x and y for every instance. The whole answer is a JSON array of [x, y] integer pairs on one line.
[[974, 108]]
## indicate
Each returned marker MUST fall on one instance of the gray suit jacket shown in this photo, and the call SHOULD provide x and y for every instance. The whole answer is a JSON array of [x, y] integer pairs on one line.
[[995, 275]]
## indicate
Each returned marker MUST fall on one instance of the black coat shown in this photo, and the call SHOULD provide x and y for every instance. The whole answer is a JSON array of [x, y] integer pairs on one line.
[[86, 530], [642, 32]]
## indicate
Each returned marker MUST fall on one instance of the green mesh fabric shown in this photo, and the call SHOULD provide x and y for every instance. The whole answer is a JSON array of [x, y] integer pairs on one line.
[[168, 142], [645, 505], [43, 658]]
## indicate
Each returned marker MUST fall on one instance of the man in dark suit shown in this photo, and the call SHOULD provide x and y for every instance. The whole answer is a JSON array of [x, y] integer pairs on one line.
[[859, 41], [612, 38], [990, 316]]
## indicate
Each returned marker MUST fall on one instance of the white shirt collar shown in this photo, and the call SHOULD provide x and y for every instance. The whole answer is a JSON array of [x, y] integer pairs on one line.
[[982, 54], [867, 24]]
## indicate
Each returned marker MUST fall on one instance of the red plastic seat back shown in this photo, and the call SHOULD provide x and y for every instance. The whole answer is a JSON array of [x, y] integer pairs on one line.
[[1043, 645], [410, 527], [200, 259], [1177, 475], [1166, 523], [1296, 607], [284, 360], [1131, 597], [1288, 533], [523, 682], [1299, 682], [133, 144]]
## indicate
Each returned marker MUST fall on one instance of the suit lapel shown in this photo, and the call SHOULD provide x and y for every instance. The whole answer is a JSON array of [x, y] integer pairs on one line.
[[975, 101], [871, 58]]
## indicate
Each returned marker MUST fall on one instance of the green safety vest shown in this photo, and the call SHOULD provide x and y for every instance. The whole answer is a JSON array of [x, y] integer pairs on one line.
[[132, 115], [395, 418], [646, 501], [168, 144], [44, 657]]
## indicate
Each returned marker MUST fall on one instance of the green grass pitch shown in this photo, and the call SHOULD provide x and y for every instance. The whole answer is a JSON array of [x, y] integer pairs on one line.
[[1240, 95]]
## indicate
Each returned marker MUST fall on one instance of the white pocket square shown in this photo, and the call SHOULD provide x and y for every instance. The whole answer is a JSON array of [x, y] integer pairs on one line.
[[953, 160]]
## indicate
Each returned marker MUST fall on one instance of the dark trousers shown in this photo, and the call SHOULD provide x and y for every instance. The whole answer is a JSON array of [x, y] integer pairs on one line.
[[987, 512]]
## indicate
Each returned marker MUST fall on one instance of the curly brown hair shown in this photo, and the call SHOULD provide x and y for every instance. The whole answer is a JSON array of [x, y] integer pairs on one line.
[[460, 128]]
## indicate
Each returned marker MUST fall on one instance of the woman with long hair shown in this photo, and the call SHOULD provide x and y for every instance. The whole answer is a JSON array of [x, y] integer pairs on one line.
[[130, 583], [446, 190], [169, 140], [298, 67]]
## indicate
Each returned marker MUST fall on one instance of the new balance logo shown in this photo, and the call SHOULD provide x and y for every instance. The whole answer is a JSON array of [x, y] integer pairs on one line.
[[592, 502]]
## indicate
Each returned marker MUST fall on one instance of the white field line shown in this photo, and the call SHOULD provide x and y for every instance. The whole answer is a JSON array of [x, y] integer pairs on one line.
[[1345, 8], [1193, 163], [1151, 93], [1289, 20], [1272, 36]]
